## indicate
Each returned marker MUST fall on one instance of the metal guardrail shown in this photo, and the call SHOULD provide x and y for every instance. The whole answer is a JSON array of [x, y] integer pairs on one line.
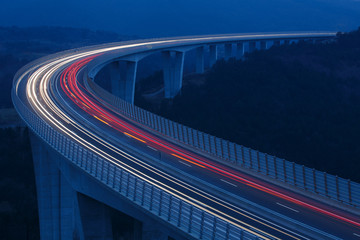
[[190, 219], [299, 176]]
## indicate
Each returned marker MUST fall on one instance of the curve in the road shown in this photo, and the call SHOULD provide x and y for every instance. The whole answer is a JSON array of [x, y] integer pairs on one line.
[[54, 89]]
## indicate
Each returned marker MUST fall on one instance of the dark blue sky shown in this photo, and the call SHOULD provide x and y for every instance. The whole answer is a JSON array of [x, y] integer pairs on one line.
[[184, 17]]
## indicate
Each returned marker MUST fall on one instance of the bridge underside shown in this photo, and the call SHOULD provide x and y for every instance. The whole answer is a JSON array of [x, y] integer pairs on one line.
[[83, 194], [123, 70], [74, 205]]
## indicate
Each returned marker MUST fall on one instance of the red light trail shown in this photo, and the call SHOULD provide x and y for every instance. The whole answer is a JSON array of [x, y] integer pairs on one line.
[[70, 86]]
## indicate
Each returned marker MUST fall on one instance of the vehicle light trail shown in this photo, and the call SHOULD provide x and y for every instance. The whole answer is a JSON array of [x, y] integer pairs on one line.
[[52, 104], [128, 134], [77, 98], [138, 134], [199, 165], [35, 79]]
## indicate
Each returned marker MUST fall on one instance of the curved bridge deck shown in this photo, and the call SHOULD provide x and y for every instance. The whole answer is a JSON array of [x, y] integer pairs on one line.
[[177, 181]]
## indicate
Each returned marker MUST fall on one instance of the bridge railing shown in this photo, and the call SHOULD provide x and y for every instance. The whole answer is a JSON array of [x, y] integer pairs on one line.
[[181, 214], [299, 176], [177, 212]]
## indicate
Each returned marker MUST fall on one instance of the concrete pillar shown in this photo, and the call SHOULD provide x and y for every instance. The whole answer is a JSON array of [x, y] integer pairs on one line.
[[200, 60], [263, 45], [228, 51], [115, 78], [153, 231], [66, 211], [173, 72], [123, 76], [239, 50], [277, 43], [59, 213], [213, 55], [287, 42], [252, 46], [269, 44], [96, 219], [137, 230]]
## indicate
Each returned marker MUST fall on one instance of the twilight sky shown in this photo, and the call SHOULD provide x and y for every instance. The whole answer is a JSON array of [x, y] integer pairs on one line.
[[184, 17]]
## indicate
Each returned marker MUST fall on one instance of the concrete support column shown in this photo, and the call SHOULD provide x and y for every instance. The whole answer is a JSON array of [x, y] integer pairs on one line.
[[138, 230], [153, 231], [123, 76], [239, 50], [269, 44], [200, 60], [263, 45], [213, 55], [228, 51], [173, 72], [74, 205], [115, 78], [252, 46], [59, 213], [287, 42], [277, 43], [96, 219]]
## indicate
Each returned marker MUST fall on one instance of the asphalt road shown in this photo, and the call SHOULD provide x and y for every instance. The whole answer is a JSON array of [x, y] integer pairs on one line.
[[234, 196]]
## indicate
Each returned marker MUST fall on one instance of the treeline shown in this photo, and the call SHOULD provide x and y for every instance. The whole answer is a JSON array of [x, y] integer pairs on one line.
[[53, 39], [300, 102], [18, 46]]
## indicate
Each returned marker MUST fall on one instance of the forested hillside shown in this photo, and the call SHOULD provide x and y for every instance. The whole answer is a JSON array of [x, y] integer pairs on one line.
[[300, 102], [19, 46]]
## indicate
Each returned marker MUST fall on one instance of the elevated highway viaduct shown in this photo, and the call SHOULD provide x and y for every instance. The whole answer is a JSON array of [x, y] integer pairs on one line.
[[96, 154]]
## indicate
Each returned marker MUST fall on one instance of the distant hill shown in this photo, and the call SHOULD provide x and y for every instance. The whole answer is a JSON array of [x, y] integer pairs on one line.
[[35, 41], [18, 46], [56, 34]]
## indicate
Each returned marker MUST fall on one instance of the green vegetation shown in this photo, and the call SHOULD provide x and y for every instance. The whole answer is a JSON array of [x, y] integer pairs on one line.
[[300, 102]]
